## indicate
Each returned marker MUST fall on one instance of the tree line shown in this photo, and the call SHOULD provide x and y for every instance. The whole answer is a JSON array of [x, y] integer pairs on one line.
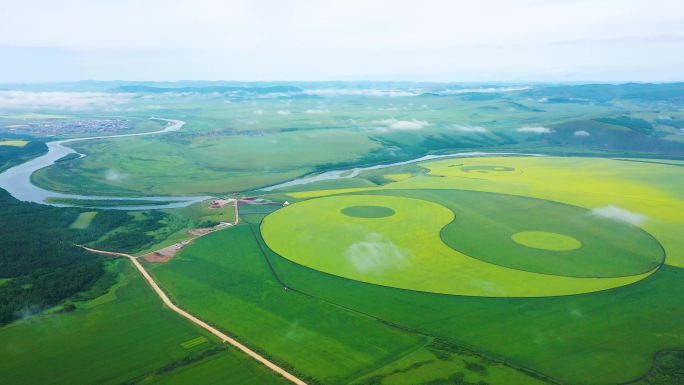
[[40, 264]]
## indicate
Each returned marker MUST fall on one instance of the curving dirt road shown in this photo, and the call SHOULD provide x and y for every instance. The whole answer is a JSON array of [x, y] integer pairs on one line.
[[224, 337]]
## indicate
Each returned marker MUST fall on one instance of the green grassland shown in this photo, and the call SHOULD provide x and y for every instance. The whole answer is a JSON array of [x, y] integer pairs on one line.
[[83, 220], [58, 344], [180, 164], [442, 363], [129, 335], [600, 338], [226, 368], [225, 279]]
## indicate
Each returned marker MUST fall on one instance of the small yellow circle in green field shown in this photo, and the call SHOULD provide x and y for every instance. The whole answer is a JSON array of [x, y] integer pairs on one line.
[[546, 241]]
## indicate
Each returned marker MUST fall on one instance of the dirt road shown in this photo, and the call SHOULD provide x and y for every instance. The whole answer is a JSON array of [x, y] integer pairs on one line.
[[224, 337], [166, 253]]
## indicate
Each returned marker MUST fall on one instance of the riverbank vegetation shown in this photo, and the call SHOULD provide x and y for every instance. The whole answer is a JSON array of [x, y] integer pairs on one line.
[[11, 155], [40, 262]]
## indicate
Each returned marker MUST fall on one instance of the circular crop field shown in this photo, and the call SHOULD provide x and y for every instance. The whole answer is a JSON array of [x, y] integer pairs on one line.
[[417, 240]]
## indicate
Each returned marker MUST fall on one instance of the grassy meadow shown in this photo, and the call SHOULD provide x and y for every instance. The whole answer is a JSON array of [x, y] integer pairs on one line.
[[225, 368], [83, 220], [180, 164], [122, 337], [599, 338], [112, 329], [224, 279]]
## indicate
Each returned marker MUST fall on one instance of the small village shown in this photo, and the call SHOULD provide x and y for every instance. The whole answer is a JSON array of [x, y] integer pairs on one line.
[[55, 127]]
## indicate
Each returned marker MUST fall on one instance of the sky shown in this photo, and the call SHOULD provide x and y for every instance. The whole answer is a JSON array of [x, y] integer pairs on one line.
[[421, 40]]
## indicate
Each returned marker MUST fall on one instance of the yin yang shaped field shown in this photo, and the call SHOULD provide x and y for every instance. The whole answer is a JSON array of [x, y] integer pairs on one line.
[[462, 243]]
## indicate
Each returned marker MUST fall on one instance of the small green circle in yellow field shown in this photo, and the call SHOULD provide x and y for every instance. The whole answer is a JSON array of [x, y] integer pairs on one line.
[[368, 211], [546, 241]]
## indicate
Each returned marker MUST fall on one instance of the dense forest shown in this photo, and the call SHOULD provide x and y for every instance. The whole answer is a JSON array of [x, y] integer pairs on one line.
[[11, 155], [40, 265]]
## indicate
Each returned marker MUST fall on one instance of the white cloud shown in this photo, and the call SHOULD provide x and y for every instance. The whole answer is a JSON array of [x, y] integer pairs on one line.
[[360, 92], [575, 311], [581, 133], [114, 176], [409, 125], [482, 90], [316, 111], [284, 112], [471, 129], [405, 125], [298, 333], [376, 255], [273, 95], [619, 214], [63, 100], [535, 129]]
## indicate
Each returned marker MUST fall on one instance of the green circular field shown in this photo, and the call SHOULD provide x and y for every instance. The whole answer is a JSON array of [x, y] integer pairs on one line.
[[544, 240], [368, 211], [408, 250]]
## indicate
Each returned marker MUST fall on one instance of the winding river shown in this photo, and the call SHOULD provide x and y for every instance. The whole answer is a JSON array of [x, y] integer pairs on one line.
[[341, 174], [17, 180]]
